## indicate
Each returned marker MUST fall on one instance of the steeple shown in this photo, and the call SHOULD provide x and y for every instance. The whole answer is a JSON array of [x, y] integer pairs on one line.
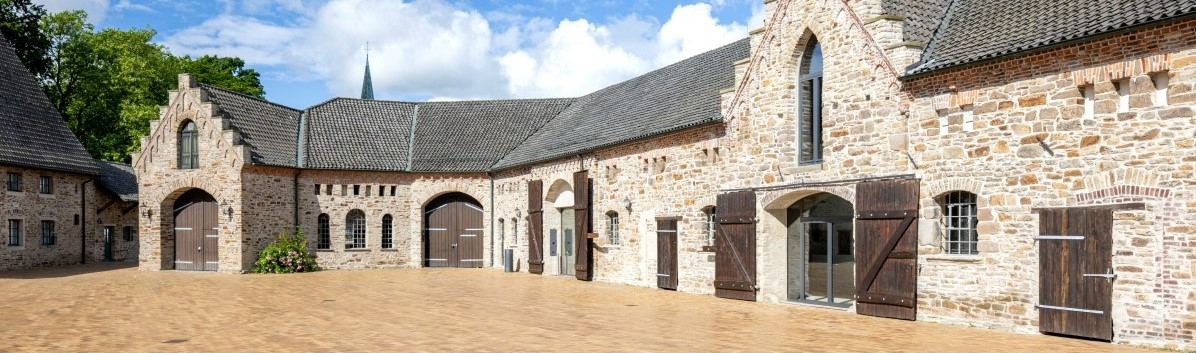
[[367, 84]]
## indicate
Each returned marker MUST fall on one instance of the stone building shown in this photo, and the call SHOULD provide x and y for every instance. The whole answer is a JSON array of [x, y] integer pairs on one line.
[[936, 160], [58, 205]]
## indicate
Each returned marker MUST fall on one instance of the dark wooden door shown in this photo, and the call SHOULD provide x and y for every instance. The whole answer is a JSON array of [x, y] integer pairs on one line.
[[887, 248], [735, 241], [1075, 256], [196, 232], [453, 233], [666, 253], [584, 268], [535, 227]]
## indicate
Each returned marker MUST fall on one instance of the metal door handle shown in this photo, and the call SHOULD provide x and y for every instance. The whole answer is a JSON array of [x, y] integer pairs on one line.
[[1108, 275], [454, 245], [199, 249]]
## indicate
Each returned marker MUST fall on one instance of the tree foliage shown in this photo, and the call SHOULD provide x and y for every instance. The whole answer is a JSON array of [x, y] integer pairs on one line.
[[20, 22], [108, 84]]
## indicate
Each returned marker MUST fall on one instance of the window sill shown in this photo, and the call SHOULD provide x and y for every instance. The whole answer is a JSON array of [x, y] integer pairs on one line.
[[390, 250], [325, 250], [953, 258], [357, 250]]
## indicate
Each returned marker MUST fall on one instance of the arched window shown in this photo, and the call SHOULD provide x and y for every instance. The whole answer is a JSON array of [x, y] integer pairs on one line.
[[612, 223], [387, 232], [188, 147], [355, 230], [959, 222], [323, 235], [515, 229], [809, 125]]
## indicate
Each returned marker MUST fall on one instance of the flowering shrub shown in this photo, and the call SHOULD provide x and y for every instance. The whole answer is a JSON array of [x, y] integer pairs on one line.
[[286, 254]]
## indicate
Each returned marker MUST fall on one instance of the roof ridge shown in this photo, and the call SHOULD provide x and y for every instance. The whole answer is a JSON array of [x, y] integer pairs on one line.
[[934, 37], [263, 100], [116, 163]]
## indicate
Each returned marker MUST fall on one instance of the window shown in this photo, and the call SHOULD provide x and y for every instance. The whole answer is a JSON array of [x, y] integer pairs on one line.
[[14, 181], [613, 224], [1123, 95], [45, 185], [1160, 81], [381, 191], [323, 235], [14, 232], [809, 127], [47, 233], [356, 190], [969, 119], [502, 230], [355, 230], [392, 190], [387, 232], [944, 123], [1089, 101], [959, 216], [711, 223], [317, 189], [188, 147], [128, 233], [328, 189], [515, 230]]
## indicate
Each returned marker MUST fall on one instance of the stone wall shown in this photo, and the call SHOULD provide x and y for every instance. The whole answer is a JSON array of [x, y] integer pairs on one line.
[[31, 207], [119, 215]]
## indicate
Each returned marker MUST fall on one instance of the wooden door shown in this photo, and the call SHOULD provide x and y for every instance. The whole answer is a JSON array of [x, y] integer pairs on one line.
[[887, 248], [1075, 257], [735, 241], [438, 237], [584, 268], [453, 233], [666, 253], [469, 235], [535, 227], [196, 246]]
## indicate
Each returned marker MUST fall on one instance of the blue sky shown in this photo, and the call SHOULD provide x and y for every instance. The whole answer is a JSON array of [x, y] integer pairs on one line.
[[311, 50]]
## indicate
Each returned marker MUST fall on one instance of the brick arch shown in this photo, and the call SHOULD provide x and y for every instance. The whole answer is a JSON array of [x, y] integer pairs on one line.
[[441, 188], [939, 187], [556, 188], [1120, 186], [781, 199]]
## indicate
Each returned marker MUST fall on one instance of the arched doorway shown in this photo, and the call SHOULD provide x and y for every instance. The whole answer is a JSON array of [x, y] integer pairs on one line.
[[821, 248], [196, 232], [453, 231], [561, 227]]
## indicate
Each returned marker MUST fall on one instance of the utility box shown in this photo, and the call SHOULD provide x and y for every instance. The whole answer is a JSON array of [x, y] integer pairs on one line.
[[508, 260]]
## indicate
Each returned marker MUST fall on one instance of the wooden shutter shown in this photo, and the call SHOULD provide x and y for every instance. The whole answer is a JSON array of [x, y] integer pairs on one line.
[[887, 248], [1076, 272], [535, 226], [735, 256], [666, 253], [584, 267]]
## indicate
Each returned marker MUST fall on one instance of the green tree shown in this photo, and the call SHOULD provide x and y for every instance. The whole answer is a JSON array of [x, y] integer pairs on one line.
[[225, 72], [20, 23]]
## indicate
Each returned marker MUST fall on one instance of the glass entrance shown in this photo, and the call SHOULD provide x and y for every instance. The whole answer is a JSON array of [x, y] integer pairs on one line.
[[821, 261], [568, 258]]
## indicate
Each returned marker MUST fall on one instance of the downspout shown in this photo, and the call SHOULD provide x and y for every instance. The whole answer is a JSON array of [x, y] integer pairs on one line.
[[299, 163], [83, 222], [492, 236], [295, 200]]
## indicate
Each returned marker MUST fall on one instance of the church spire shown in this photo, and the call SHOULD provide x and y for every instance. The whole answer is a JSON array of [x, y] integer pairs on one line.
[[367, 84]]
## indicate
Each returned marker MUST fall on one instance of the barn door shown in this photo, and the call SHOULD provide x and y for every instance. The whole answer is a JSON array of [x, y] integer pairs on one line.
[[887, 248], [535, 226], [1075, 257], [735, 254], [584, 268], [211, 236], [666, 253], [469, 239], [196, 245]]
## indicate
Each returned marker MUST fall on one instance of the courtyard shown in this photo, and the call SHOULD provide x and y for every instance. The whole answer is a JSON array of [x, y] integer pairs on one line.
[[112, 307]]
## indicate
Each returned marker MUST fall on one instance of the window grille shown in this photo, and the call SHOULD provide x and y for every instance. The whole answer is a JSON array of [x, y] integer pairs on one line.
[[387, 232], [14, 182], [615, 239], [355, 230], [711, 225], [14, 232], [45, 185], [959, 216], [189, 147], [324, 238], [128, 235], [47, 233]]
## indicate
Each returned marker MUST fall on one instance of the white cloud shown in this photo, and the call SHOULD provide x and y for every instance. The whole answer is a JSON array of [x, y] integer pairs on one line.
[[96, 10], [129, 5], [441, 49]]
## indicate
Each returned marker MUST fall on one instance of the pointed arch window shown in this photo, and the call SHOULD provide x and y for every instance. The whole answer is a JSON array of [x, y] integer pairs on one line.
[[323, 234], [388, 232], [809, 125], [355, 230], [188, 146]]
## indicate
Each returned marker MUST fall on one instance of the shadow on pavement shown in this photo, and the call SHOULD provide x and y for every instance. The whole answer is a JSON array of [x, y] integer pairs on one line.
[[67, 270]]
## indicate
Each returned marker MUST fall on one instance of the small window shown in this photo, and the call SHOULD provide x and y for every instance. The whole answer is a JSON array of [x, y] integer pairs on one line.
[[387, 232], [612, 218], [14, 232], [392, 190], [323, 234], [128, 233], [355, 230], [711, 223], [356, 190], [502, 230], [317, 189], [76, 219], [809, 127], [515, 230], [328, 189], [14, 181], [45, 185], [47, 233], [188, 146], [969, 119], [944, 123], [1089, 92], [1123, 95], [1161, 81], [959, 221], [381, 191]]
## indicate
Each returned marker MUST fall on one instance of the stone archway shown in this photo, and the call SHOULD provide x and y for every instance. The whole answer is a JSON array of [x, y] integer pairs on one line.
[[453, 231], [196, 231]]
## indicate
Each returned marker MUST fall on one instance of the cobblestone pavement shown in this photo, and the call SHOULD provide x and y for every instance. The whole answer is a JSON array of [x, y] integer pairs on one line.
[[115, 308]]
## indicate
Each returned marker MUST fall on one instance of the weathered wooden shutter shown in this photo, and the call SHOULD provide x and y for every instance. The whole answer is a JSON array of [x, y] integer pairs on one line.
[[887, 248], [666, 253], [535, 226], [735, 256], [1075, 258], [584, 267]]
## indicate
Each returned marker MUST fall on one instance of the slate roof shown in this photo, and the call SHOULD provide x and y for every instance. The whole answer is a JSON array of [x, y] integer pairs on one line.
[[356, 134], [118, 179], [474, 135], [974, 30], [32, 133], [271, 130], [921, 17], [678, 96]]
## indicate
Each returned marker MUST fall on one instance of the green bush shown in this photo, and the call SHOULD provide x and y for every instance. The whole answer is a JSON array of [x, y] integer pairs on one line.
[[286, 254]]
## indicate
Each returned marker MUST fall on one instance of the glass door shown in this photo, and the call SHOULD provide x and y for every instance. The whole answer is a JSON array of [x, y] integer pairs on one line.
[[829, 250], [568, 258]]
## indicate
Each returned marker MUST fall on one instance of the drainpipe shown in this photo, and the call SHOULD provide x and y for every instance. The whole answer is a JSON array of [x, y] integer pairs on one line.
[[83, 222], [491, 176], [295, 200]]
